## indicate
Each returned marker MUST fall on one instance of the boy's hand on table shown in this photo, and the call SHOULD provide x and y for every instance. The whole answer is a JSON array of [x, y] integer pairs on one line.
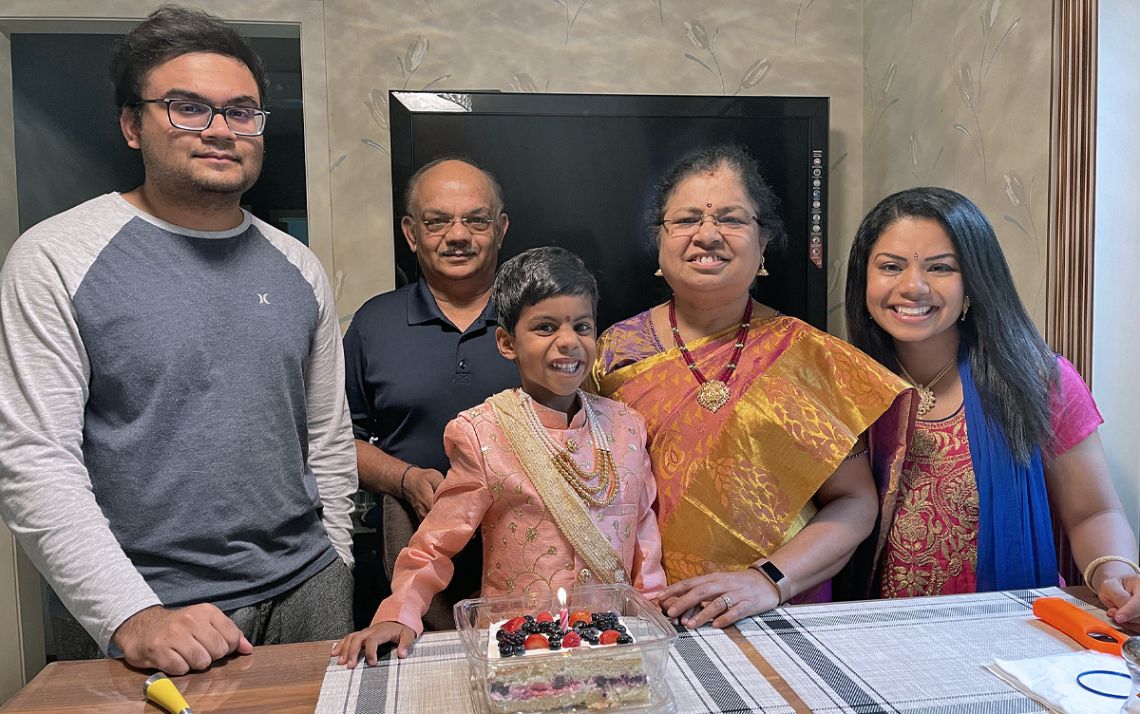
[[348, 649]]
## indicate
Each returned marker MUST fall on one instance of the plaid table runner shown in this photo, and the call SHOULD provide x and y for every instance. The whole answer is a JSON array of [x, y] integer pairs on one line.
[[707, 673], [907, 655]]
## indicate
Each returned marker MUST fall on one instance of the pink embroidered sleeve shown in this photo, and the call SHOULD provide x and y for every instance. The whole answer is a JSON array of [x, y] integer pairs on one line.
[[647, 573], [1075, 415], [424, 568]]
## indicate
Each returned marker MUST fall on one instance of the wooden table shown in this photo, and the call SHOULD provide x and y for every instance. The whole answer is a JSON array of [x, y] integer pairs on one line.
[[275, 678], [280, 678]]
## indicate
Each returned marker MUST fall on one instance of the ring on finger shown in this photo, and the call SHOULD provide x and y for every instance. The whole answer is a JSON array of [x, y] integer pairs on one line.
[[727, 601]]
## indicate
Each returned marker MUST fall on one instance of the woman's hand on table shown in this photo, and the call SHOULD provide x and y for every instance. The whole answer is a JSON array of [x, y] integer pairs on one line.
[[722, 598], [347, 651], [1120, 594]]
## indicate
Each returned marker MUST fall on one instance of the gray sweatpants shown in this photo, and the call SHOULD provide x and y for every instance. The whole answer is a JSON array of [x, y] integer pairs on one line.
[[318, 609]]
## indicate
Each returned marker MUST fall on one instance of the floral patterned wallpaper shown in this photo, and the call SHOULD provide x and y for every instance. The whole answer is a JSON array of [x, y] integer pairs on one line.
[[957, 94]]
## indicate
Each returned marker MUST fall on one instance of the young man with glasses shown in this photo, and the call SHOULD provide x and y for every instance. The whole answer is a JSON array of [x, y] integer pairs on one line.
[[417, 356], [175, 450]]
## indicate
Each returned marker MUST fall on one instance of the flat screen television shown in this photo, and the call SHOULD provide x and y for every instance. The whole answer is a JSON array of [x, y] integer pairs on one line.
[[577, 171]]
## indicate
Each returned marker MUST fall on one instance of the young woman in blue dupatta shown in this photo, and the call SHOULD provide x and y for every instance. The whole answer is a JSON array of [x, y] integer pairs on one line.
[[1007, 430]]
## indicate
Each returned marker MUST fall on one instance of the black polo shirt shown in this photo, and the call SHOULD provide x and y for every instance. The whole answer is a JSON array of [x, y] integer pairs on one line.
[[409, 371]]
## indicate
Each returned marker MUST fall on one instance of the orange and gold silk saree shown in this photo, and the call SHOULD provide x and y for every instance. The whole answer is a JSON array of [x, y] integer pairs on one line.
[[736, 484]]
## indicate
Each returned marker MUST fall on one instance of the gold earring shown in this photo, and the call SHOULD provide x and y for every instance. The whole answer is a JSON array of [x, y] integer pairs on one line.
[[657, 273], [762, 272], [965, 308]]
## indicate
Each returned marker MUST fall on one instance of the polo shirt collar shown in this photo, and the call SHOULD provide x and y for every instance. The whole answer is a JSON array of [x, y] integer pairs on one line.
[[422, 308]]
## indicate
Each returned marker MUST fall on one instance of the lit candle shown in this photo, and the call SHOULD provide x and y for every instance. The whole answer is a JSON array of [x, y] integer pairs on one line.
[[563, 613]]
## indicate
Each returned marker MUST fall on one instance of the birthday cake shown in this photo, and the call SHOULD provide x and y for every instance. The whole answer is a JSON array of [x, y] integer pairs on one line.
[[537, 663]]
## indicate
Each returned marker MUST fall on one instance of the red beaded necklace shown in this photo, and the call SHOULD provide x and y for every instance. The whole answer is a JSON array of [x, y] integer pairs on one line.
[[713, 393]]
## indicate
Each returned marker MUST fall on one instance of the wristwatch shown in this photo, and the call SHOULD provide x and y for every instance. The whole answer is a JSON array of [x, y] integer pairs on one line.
[[774, 575]]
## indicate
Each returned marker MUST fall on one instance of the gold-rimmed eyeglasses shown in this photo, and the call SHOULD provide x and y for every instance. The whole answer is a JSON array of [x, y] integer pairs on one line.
[[728, 223], [475, 224], [189, 115]]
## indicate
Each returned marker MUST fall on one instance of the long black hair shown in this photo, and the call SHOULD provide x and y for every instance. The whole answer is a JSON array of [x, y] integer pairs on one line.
[[1014, 370]]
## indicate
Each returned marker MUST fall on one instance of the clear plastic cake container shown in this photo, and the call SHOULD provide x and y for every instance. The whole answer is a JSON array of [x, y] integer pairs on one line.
[[652, 633]]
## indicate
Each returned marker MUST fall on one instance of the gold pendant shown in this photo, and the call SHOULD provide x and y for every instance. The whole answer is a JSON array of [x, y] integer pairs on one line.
[[925, 400], [571, 446], [713, 395]]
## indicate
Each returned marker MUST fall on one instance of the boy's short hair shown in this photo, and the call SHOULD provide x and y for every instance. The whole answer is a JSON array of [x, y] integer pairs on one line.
[[536, 275]]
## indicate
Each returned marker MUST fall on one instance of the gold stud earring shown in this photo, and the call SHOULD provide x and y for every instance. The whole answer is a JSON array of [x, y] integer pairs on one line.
[[762, 272], [658, 274], [965, 308]]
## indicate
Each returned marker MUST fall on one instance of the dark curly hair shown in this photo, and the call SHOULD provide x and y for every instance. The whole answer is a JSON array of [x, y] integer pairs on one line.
[[172, 31]]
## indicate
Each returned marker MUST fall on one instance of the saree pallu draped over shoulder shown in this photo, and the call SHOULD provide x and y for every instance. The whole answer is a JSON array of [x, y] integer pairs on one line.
[[736, 484]]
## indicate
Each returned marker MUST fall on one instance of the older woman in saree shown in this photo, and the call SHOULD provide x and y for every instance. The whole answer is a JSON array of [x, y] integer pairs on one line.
[[755, 419]]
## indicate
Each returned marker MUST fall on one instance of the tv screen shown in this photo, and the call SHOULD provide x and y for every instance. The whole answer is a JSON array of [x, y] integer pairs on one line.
[[577, 171]]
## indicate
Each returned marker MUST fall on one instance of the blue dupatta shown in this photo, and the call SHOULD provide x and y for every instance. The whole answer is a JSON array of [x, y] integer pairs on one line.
[[1015, 531]]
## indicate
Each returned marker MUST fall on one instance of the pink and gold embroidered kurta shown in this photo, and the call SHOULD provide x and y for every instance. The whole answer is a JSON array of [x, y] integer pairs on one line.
[[932, 543], [523, 549]]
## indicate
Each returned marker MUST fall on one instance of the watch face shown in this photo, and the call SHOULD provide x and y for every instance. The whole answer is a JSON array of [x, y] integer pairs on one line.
[[771, 571]]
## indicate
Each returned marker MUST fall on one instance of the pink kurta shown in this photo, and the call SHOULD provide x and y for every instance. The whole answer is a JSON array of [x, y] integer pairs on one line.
[[932, 546], [523, 549]]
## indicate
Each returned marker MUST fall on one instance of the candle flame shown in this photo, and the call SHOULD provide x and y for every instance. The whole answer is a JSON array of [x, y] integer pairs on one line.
[[561, 597]]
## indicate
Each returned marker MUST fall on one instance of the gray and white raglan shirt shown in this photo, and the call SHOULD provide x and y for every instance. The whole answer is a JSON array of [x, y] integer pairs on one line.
[[173, 422]]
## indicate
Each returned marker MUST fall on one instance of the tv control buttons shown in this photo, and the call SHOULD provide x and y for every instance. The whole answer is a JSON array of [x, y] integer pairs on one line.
[[815, 224]]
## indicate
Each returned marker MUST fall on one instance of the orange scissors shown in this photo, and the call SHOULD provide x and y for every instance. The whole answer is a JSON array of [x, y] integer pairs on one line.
[[1087, 630]]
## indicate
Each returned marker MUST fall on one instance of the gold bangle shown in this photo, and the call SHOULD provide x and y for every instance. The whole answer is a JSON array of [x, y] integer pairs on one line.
[[1090, 569]]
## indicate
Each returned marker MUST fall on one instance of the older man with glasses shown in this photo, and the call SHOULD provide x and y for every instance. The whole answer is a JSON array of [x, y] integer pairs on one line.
[[175, 449], [417, 356]]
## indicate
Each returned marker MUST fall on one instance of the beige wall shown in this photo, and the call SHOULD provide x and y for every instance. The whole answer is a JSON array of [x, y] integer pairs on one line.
[[949, 84]]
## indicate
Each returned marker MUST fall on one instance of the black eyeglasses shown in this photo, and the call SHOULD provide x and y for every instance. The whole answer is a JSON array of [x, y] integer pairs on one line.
[[189, 115]]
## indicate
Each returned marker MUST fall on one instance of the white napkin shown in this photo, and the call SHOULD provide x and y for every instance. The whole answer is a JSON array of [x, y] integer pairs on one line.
[[1052, 681]]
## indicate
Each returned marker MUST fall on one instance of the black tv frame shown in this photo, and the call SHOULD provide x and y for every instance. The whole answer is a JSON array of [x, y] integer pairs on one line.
[[788, 136]]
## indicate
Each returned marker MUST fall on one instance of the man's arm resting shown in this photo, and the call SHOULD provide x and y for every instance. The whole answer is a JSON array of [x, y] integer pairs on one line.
[[382, 473]]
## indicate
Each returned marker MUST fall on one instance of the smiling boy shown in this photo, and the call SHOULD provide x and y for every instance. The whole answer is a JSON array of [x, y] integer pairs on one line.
[[558, 481]]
